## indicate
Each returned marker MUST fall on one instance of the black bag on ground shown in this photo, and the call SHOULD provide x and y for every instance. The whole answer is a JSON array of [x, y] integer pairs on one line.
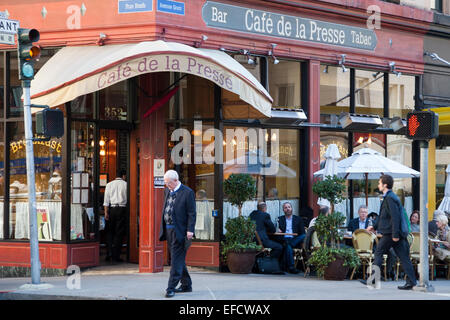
[[268, 265]]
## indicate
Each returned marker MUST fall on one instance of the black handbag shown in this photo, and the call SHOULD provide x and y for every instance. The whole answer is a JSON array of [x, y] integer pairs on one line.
[[268, 265]]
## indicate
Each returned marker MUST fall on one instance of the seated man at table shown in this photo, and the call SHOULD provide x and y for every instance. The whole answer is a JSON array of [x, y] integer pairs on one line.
[[290, 223], [359, 223], [264, 225]]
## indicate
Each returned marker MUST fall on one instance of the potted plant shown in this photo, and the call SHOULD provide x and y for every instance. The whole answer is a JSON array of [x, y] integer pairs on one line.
[[331, 260], [239, 247]]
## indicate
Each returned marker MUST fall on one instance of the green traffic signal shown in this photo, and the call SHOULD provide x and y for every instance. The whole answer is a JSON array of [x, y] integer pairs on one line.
[[27, 53]]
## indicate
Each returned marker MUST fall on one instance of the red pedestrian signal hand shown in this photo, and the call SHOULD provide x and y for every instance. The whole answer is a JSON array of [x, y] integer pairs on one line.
[[413, 124]]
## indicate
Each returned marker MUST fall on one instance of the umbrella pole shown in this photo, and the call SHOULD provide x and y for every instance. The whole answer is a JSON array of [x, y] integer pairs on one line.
[[367, 190]]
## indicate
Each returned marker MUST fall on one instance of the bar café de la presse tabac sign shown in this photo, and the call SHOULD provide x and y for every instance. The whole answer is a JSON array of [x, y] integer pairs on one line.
[[224, 16]]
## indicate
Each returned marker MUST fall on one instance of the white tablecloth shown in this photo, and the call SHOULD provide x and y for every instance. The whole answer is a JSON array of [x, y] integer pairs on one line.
[[76, 221]]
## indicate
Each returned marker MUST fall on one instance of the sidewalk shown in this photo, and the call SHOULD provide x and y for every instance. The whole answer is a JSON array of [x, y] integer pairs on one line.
[[127, 283]]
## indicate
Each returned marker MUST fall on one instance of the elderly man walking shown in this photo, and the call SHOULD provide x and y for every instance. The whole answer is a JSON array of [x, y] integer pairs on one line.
[[177, 227]]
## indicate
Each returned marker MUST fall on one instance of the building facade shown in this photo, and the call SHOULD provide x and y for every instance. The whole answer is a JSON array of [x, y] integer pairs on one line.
[[132, 77]]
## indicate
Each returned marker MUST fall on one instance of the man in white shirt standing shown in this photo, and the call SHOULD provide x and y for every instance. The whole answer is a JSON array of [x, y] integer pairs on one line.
[[115, 204]]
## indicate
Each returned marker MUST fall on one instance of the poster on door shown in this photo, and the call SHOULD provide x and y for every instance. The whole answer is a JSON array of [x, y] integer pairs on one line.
[[44, 227]]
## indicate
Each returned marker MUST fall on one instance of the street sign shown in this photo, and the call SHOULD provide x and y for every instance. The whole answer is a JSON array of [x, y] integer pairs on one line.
[[9, 26], [7, 38]]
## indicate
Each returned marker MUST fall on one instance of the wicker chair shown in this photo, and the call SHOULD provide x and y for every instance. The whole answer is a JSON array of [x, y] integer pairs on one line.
[[363, 243], [315, 244], [414, 253]]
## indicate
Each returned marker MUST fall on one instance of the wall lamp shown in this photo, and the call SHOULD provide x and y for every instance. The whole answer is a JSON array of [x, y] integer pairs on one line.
[[198, 44], [434, 56], [392, 69], [247, 53], [275, 60], [342, 62]]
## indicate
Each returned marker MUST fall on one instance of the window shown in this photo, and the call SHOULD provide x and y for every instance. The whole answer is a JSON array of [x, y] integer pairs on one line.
[[284, 84], [436, 5], [369, 92], [113, 102], [401, 95], [334, 93], [48, 180], [196, 98], [82, 217]]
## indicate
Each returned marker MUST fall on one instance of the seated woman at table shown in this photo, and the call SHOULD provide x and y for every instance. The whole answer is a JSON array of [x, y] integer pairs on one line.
[[442, 249], [414, 220]]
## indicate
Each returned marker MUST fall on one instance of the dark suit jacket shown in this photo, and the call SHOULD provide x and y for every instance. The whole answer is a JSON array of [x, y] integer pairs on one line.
[[263, 224], [297, 224], [354, 224], [184, 213], [388, 223]]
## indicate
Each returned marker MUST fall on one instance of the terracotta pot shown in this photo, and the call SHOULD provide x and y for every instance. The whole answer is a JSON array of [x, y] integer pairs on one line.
[[336, 270], [241, 262]]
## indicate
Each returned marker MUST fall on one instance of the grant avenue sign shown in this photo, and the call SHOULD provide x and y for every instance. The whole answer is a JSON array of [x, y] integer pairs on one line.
[[224, 16]]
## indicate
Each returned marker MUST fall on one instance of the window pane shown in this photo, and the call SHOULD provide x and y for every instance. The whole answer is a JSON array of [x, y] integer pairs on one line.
[[334, 93], [82, 172], [284, 84], [401, 95], [284, 185], [399, 149], [242, 155], [48, 179], [16, 106], [82, 107], [113, 102], [369, 92], [198, 177], [196, 98]]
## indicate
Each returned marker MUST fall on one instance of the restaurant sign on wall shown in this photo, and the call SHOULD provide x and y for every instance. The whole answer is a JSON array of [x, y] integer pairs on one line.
[[230, 17]]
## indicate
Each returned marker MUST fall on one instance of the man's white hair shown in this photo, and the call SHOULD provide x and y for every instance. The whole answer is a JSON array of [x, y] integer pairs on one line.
[[442, 219], [171, 174]]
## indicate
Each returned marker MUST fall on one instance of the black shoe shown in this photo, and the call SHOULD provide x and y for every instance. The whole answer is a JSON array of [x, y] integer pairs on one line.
[[170, 293], [407, 286], [293, 270], [183, 289], [364, 282]]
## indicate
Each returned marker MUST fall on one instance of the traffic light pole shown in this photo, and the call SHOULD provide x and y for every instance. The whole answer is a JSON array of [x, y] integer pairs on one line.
[[34, 241], [424, 284]]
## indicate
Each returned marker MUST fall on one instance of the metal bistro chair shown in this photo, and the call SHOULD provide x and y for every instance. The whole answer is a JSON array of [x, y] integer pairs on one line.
[[414, 253], [315, 244], [299, 255], [363, 243]]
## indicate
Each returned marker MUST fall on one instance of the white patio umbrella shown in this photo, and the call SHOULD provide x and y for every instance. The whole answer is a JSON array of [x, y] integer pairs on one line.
[[445, 204], [331, 159], [368, 164]]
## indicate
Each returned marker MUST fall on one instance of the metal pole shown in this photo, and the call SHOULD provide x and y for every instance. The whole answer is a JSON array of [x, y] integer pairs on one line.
[[424, 284], [34, 242]]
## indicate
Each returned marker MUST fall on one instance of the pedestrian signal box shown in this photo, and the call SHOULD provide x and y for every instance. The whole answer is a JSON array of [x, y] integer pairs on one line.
[[422, 125], [50, 123]]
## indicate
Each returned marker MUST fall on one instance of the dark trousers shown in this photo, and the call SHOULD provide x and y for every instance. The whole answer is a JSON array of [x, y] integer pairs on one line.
[[290, 244], [178, 270], [116, 226], [277, 248], [401, 249]]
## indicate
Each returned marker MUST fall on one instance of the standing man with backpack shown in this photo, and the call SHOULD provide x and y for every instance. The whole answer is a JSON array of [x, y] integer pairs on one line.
[[389, 224]]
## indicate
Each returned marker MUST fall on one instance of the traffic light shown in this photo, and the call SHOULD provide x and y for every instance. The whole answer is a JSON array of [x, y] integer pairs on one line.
[[27, 53], [422, 125], [50, 123]]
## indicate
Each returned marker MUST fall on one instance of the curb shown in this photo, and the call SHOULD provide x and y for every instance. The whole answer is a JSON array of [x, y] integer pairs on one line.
[[31, 296]]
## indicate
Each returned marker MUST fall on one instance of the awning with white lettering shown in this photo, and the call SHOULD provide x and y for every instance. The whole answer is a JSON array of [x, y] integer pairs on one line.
[[76, 71]]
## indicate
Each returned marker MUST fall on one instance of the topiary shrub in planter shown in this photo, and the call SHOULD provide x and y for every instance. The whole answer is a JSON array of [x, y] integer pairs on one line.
[[331, 261], [239, 247]]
